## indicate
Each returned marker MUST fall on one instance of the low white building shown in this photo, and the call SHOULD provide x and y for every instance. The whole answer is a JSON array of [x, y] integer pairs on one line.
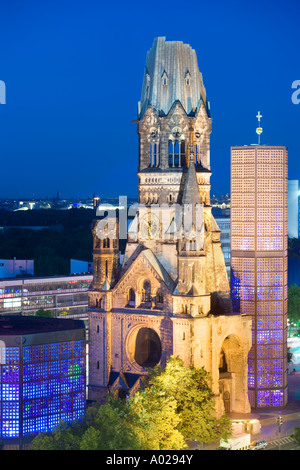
[[16, 267]]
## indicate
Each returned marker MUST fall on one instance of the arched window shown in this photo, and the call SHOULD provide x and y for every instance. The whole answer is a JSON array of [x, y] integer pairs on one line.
[[106, 243], [159, 298], [193, 247], [176, 153], [131, 294], [182, 154], [196, 154], [131, 297], [171, 151], [146, 292], [222, 362], [154, 149]]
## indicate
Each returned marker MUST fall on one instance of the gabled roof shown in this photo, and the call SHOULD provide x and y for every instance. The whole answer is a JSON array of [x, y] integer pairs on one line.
[[163, 274], [126, 380], [152, 260]]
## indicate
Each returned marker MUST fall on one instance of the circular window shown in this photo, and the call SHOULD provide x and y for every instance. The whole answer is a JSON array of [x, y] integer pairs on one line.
[[147, 348]]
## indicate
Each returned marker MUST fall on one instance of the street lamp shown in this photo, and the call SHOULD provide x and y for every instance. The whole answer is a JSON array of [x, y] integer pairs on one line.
[[279, 423]]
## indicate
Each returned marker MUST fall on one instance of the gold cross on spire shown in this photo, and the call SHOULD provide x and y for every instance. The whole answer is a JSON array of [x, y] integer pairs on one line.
[[259, 129], [259, 116]]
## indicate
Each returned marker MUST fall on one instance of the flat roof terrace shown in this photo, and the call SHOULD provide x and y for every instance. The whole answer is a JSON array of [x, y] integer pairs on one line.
[[14, 325]]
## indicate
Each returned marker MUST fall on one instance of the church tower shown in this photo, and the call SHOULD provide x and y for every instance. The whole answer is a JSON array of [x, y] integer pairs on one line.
[[171, 294]]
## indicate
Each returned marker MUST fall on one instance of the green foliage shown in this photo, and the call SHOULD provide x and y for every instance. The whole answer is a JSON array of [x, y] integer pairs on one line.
[[191, 390], [294, 303], [155, 421], [296, 435], [44, 313], [104, 427], [109, 428], [174, 405]]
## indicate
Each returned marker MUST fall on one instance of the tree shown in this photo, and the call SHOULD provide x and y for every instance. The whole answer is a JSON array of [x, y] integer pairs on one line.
[[109, 427], [190, 389], [296, 435], [104, 427], [174, 405], [44, 313], [155, 420], [294, 303], [64, 437]]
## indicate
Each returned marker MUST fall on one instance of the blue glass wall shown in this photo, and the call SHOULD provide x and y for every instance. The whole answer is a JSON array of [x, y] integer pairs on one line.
[[42, 386]]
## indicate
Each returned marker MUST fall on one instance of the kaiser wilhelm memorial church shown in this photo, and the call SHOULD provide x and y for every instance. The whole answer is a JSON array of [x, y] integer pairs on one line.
[[170, 295]]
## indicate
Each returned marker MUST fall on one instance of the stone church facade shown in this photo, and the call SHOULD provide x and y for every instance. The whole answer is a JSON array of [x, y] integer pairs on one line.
[[171, 294]]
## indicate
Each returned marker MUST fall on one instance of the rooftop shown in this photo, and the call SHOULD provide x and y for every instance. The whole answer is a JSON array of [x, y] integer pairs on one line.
[[171, 74], [14, 325]]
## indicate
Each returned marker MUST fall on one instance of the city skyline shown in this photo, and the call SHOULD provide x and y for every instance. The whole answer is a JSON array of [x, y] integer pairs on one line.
[[73, 76]]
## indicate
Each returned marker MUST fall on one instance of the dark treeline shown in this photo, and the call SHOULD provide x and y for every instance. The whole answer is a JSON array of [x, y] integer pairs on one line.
[[72, 218], [294, 248], [51, 249], [67, 235]]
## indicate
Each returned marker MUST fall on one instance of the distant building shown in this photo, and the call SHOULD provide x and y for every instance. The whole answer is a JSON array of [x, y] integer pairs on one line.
[[224, 226], [42, 376], [62, 294], [80, 267], [293, 208], [16, 267]]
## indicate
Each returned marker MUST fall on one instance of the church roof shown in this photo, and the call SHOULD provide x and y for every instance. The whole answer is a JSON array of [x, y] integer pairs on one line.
[[125, 379], [150, 257], [163, 274], [171, 74]]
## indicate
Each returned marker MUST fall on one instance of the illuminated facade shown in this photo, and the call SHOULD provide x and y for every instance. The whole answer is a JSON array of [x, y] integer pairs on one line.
[[42, 376], [259, 265], [61, 294]]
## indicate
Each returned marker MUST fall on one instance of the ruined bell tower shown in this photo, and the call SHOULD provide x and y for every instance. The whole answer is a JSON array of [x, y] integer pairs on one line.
[[170, 294]]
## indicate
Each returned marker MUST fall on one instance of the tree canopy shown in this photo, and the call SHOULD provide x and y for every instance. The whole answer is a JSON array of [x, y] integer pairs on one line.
[[190, 389], [294, 303], [174, 406], [44, 313]]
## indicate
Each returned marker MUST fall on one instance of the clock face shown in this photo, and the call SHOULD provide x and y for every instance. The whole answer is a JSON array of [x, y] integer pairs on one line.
[[149, 226]]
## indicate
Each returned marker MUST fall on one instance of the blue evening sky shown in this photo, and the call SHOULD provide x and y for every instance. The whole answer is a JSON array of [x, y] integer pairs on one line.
[[73, 72]]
